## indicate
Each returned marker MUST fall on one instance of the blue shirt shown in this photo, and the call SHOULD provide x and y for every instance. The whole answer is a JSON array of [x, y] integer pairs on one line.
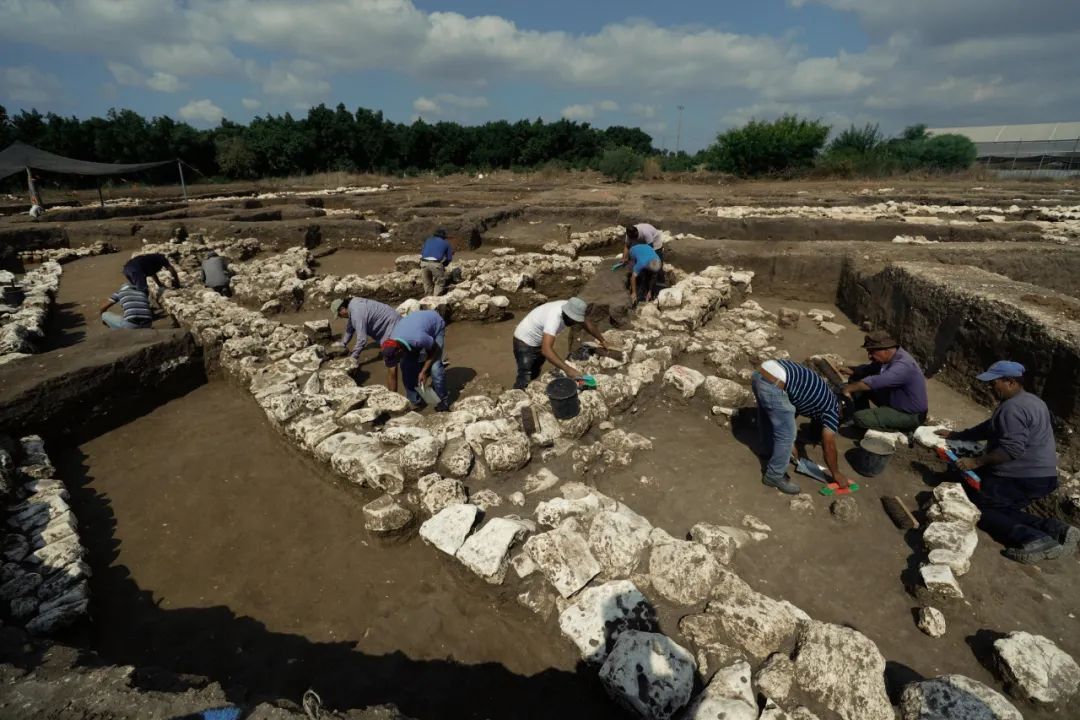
[[420, 330], [641, 255], [898, 384], [437, 248], [369, 318], [811, 396]]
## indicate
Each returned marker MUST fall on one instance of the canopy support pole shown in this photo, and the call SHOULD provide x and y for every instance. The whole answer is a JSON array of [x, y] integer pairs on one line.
[[99, 196], [35, 199], [183, 185]]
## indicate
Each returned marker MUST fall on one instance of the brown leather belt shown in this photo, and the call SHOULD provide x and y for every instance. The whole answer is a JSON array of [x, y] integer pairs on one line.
[[769, 378]]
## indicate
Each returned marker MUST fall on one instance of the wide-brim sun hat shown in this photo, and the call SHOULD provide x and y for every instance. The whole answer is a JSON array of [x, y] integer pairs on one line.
[[575, 309], [879, 340], [335, 307]]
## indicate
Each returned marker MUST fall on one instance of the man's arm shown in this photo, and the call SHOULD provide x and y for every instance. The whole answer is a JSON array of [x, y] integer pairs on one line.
[[547, 347], [1011, 441], [175, 277], [108, 304], [591, 329], [349, 332], [433, 352], [449, 253], [828, 446], [633, 287], [978, 432]]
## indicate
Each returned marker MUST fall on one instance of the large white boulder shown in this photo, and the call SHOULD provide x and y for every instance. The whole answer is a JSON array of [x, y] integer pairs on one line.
[[843, 670], [449, 527], [683, 572], [682, 381], [648, 674], [726, 393], [619, 540], [563, 557], [487, 551], [729, 695], [599, 614], [1036, 669]]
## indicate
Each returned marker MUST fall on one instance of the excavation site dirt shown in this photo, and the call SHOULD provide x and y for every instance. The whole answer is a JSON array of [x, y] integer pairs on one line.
[[231, 505]]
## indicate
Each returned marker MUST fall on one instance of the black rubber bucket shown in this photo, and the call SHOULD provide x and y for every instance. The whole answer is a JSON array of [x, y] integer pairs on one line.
[[563, 394], [866, 463], [13, 295]]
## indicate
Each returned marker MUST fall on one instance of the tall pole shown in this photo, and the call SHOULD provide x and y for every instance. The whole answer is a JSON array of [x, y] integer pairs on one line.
[[183, 185], [678, 133], [100, 198]]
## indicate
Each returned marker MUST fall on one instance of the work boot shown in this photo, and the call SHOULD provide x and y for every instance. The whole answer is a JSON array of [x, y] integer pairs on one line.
[[784, 485], [442, 407], [1045, 548], [1069, 536]]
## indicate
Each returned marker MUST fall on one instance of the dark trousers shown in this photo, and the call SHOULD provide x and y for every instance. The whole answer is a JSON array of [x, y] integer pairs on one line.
[[136, 278], [1002, 501], [529, 362]]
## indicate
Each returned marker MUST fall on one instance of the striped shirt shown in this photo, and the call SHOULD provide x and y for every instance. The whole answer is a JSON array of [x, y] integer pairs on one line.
[[811, 396], [135, 303]]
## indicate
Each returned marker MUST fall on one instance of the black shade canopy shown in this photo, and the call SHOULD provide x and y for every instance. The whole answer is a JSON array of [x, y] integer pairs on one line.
[[19, 156]]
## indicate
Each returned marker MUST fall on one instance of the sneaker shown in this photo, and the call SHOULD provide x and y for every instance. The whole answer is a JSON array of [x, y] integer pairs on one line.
[[1045, 548], [784, 485], [1070, 538]]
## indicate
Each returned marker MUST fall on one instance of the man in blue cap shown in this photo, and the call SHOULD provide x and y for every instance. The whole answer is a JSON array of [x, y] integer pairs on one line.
[[435, 255], [417, 343], [1018, 467]]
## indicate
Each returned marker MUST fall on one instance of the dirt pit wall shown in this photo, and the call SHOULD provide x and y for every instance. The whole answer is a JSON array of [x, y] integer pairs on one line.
[[957, 320]]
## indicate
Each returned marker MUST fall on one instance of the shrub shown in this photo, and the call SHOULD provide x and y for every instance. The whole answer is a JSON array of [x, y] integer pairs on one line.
[[948, 152], [759, 147], [620, 164], [651, 170], [856, 140]]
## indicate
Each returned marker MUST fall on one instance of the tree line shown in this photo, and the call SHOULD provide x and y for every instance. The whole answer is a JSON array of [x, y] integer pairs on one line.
[[337, 139]]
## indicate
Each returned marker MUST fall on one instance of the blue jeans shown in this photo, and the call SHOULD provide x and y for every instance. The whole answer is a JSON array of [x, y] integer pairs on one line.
[[117, 322], [410, 372], [776, 423]]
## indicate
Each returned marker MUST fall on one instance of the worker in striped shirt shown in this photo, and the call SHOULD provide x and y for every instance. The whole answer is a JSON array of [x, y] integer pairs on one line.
[[135, 306], [783, 390]]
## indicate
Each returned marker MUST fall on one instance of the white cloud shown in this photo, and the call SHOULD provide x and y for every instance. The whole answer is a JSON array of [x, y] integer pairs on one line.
[[426, 105], [26, 84], [607, 105], [125, 74], [579, 112], [203, 111], [250, 103], [645, 111], [462, 101], [159, 81], [164, 82]]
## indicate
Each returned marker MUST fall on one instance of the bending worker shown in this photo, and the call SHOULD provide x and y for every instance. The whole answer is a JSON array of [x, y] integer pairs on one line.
[[783, 390], [134, 303], [646, 233], [645, 267], [435, 255], [141, 267], [893, 381], [534, 338], [1018, 467], [215, 274], [367, 319], [417, 343]]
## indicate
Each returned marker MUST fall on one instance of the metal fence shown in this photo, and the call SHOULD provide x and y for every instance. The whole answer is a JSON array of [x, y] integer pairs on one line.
[[1060, 156]]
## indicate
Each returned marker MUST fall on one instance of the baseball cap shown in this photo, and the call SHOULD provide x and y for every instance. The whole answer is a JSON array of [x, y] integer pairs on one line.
[[336, 306], [1002, 369], [575, 309]]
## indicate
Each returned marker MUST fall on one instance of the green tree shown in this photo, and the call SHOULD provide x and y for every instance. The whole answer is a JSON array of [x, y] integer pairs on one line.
[[620, 164], [759, 147]]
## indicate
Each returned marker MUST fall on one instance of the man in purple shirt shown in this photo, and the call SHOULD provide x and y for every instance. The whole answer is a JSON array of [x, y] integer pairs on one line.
[[417, 344], [367, 319], [893, 381]]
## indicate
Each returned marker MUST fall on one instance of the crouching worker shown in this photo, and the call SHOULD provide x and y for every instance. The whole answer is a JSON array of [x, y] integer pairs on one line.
[[534, 338], [215, 274], [783, 390], [1018, 467], [416, 345], [645, 268], [366, 319], [893, 381], [140, 268], [134, 303]]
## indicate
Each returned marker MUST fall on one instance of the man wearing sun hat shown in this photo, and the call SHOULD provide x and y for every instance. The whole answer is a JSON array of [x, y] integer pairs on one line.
[[534, 338], [416, 344], [893, 381], [1018, 467]]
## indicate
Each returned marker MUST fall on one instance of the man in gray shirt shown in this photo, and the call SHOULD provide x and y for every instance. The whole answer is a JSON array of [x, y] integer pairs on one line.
[[1018, 467], [367, 319], [215, 274]]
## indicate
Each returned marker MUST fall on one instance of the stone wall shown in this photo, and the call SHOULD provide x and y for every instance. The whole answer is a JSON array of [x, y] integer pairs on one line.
[[22, 326], [957, 320]]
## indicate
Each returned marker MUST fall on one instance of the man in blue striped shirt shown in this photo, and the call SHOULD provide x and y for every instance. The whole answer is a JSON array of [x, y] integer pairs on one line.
[[134, 303], [783, 390]]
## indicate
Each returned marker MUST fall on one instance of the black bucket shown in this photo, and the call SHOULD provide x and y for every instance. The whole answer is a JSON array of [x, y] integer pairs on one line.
[[866, 463], [563, 394], [13, 295]]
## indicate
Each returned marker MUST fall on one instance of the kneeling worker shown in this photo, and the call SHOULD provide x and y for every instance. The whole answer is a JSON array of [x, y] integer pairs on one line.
[[783, 390], [534, 338], [135, 304], [417, 344], [645, 267], [1018, 467], [894, 382], [215, 274]]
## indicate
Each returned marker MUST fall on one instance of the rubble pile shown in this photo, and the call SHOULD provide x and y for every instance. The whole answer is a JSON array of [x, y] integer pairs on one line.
[[66, 255], [22, 326], [275, 282], [577, 243], [950, 540], [43, 580]]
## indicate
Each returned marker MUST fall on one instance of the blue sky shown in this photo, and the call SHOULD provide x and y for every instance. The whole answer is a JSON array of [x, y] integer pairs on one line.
[[962, 62]]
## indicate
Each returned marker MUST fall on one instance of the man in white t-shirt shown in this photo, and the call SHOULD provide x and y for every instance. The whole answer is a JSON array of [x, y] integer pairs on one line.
[[645, 233], [534, 338]]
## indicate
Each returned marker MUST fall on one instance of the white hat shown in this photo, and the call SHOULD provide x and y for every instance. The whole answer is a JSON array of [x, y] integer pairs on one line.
[[775, 369], [575, 309]]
